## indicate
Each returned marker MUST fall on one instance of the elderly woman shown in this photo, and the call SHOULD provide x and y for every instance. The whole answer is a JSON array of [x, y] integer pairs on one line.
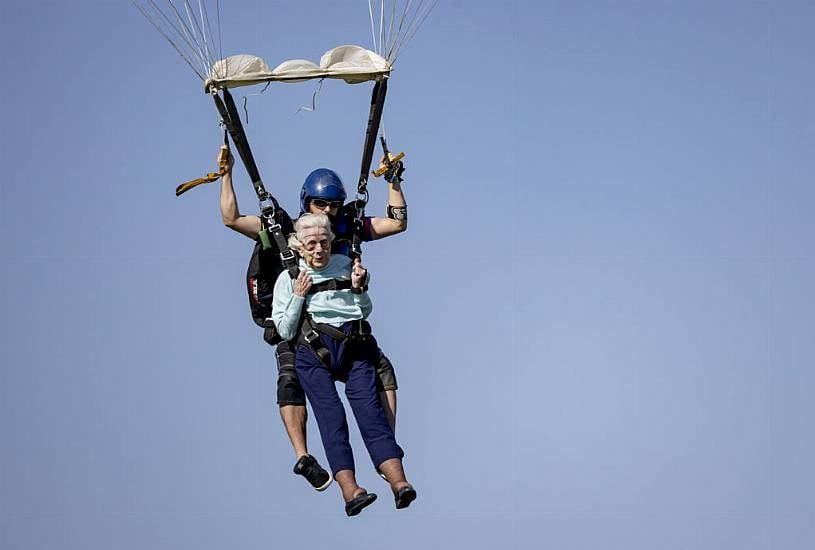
[[323, 310]]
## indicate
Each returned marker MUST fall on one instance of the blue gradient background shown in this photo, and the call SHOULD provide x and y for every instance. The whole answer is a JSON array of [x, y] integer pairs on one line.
[[598, 316]]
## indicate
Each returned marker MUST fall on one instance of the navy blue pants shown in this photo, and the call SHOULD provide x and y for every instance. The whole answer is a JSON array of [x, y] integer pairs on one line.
[[354, 363]]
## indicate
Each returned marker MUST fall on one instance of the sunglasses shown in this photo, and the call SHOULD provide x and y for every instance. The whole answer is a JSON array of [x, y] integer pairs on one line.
[[320, 203]]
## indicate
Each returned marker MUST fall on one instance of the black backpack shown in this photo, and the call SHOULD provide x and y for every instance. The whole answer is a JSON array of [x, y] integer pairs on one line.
[[265, 266]]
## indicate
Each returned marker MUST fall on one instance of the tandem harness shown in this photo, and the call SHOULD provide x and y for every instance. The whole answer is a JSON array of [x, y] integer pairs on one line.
[[309, 332], [274, 219], [310, 335]]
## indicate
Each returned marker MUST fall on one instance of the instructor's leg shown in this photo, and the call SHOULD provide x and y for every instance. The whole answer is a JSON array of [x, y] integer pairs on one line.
[[294, 420], [388, 401], [292, 402], [291, 399], [386, 384]]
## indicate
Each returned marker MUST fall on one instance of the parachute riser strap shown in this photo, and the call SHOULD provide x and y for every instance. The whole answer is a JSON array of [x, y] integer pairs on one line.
[[374, 118], [231, 119]]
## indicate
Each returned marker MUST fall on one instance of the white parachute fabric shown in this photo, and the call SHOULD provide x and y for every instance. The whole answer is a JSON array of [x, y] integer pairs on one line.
[[353, 64], [193, 29]]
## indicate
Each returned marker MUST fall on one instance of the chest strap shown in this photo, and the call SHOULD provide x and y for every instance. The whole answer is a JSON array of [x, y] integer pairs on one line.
[[330, 284]]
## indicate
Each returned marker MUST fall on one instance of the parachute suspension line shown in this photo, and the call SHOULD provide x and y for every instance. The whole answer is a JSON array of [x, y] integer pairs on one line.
[[208, 26], [417, 18], [166, 36], [381, 23], [396, 30], [189, 34], [373, 32], [393, 38], [390, 25], [220, 44], [188, 29]]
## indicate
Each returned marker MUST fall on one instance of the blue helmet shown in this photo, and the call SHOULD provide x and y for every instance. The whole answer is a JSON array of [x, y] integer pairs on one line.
[[321, 184]]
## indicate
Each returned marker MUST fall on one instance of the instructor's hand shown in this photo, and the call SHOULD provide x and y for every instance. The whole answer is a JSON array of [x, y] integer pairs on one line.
[[225, 159], [302, 284]]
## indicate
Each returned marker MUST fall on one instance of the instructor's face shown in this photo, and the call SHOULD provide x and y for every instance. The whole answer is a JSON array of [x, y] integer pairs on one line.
[[329, 208], [316, 247]]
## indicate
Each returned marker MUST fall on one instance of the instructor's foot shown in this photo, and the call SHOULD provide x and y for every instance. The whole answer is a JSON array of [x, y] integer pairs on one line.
[[309, 468]]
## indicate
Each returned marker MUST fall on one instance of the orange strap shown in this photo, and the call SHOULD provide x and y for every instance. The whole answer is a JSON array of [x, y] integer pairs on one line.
[[223, 157]]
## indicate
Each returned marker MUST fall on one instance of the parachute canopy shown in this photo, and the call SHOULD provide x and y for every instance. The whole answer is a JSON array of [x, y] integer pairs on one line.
[[353, 64], [196, 37]]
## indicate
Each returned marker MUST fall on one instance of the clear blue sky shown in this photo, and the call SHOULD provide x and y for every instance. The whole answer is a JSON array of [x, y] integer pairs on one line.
[[601, 315]]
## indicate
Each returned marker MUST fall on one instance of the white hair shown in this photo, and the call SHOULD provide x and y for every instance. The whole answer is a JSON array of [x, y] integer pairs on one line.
[[306, 222]]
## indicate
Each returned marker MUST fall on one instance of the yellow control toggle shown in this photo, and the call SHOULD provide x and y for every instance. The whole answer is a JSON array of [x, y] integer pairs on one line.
[[385, 166]]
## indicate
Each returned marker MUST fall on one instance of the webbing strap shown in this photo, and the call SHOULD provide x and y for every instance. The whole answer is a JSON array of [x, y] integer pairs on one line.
[[269, 206], [232, 121], [374, 118], [223, 159], [187, 185], [331, 284], [311, 339], [287, 255]]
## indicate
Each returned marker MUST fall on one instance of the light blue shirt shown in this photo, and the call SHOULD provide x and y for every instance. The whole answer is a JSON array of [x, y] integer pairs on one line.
[[333, 307]]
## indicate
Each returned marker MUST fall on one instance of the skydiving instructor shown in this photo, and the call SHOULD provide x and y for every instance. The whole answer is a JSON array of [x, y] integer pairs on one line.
[[322, 193]]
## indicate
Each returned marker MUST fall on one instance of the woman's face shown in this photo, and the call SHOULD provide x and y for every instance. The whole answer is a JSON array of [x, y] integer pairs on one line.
[[316, 247]]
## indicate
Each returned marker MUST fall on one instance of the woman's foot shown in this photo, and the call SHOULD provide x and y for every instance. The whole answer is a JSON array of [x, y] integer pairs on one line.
[[362, 499], [404, 496]]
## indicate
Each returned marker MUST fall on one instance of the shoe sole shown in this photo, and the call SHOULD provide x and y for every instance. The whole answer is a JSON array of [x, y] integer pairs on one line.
[[362, 504], [325, 486], [404, 499]]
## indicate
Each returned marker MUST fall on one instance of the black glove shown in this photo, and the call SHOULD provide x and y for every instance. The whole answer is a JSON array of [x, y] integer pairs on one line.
[[394, 173]]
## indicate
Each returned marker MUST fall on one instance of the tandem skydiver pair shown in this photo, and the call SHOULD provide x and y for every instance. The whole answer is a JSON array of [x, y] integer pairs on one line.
[[329, 339]]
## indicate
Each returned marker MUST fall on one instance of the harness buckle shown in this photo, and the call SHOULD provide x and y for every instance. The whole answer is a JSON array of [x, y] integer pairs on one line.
[[267, 206], [287, 255], [311, 337]]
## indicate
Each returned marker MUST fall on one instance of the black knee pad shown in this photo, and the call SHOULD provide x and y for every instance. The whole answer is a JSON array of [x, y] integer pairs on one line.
[[385, 375], [289, 390]]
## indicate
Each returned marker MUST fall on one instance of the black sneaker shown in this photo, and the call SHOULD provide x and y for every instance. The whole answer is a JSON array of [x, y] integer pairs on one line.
[[309, 468]]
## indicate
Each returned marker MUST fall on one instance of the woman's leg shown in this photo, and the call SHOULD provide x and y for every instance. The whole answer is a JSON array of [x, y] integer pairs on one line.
[[361, 390], [318, 384]]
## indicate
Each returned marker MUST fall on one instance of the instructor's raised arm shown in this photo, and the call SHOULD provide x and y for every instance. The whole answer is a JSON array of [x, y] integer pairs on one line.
[[396, 222], [245, 225]]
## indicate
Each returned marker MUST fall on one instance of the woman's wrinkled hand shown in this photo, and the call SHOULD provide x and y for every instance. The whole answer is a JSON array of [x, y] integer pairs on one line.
[[302, 284], [358, 274]]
